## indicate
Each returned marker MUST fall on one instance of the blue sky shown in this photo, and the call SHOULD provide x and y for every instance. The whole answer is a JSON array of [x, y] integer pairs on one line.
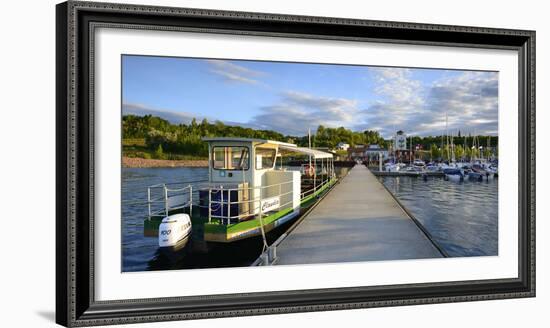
[[292, 97]]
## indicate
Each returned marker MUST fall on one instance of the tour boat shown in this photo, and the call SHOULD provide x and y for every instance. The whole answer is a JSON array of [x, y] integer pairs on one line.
[[249, 192]]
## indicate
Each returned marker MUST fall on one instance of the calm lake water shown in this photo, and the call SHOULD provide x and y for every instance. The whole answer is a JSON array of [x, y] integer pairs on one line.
[[138, 250], [462, 217]]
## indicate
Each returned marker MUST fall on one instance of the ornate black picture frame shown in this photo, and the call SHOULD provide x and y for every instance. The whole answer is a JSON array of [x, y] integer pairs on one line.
[[75, 301]]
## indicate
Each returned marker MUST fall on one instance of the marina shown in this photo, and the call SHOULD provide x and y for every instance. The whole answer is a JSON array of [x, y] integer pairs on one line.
[[264, 202]]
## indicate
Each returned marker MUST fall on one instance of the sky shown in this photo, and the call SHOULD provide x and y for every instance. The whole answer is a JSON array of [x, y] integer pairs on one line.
[[291, 98]]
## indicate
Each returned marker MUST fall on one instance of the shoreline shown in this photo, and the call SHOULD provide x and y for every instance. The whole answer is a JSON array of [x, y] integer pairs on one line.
[[134, 162]]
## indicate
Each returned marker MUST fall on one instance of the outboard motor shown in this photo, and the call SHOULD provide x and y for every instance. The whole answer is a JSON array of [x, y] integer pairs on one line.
[[174, 231]]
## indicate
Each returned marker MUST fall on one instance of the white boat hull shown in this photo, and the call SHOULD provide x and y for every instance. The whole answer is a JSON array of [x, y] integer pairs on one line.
[[454, 177]]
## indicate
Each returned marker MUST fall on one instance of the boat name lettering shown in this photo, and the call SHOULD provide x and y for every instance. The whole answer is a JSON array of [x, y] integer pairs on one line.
[[270, 204]]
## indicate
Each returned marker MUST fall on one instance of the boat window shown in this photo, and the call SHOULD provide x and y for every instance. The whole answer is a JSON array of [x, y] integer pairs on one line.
[[230, 158], [265, 158]]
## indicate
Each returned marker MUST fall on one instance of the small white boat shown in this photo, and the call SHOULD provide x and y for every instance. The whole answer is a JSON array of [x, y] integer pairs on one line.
[[475, 176], [419, 163], [482, 171], [432, 167], [453, 174], [412, 170], [493, 169], [394, 167]]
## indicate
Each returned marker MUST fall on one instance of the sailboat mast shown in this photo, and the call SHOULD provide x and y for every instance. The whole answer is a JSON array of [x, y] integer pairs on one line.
[[452, 147], [476, 146], [447, 134], [411, 150], [488, 146], [309, 143], [465, 146]]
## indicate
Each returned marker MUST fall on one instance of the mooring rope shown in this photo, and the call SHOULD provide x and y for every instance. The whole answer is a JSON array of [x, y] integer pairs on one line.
[[265, 246]]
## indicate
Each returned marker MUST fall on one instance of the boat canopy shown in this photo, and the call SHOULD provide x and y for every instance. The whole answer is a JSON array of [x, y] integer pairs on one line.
[[316, 154], [237, 139]]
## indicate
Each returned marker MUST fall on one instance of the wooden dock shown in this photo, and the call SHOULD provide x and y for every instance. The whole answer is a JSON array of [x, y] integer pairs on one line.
[[358, 220]]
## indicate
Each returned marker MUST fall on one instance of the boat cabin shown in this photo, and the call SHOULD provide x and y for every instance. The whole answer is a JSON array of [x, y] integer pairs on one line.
[[247, 178]]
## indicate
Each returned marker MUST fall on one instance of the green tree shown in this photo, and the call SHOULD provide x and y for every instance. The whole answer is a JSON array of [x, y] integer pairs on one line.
[[486, 153], [159, 153], [434, 152], [459, 152]]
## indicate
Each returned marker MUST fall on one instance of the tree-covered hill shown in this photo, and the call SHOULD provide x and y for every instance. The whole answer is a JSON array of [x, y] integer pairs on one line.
[[145, 136], [153, 137]]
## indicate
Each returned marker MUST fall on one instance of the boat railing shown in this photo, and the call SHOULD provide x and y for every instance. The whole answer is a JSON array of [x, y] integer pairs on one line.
[[313, 169], [254, 203], [164, 198], [317, 184]]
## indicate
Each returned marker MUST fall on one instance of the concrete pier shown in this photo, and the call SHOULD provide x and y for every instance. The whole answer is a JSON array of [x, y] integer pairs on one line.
[[357, 221]]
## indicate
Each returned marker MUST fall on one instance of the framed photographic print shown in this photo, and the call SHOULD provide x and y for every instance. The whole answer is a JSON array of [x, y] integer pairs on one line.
[[214, 163]]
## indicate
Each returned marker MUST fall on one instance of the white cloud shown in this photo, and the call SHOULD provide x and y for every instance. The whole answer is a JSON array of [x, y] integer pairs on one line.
[[234, 73], [470, 101], [175, 117], [296, 112], [397, 85], [169, 115], [402, 98]]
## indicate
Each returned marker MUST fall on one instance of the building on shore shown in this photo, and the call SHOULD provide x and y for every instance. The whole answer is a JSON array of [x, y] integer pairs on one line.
[[404, 156], [399, 141], [368, 153], [374, 153], [342, 146], [357, 153], [400, 152]]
